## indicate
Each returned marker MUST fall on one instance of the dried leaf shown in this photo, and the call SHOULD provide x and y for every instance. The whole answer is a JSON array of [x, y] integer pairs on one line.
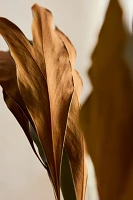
[[13, 98], [107, 115], [59, 75], [74, 140]]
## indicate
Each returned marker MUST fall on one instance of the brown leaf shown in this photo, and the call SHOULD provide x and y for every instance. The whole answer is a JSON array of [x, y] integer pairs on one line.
[[8, 79], [12, 96], [107, 115], [74, 141]]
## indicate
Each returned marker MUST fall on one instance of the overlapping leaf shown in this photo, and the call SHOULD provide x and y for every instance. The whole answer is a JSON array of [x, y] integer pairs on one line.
[[50, 89], [107, 115], [73, 134], [13, 98]]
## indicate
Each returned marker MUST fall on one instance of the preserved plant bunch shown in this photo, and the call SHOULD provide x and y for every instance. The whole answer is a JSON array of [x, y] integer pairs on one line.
[[42, 90]]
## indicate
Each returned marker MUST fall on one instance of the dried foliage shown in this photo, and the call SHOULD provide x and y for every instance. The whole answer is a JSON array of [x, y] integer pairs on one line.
[[42, 90], [107, 115]]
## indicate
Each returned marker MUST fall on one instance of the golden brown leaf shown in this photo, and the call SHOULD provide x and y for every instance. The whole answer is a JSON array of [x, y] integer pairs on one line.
[[12, 96], [74, 141], [107, 115]]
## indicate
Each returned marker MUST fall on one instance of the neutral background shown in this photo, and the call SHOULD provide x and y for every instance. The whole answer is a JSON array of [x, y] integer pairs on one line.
[[21, 175]]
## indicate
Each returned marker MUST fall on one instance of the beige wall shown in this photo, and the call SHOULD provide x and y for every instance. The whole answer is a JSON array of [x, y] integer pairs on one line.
[[21, 175]]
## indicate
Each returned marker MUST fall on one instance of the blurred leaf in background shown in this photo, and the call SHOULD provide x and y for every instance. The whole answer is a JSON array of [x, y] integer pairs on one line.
[[107, 115]]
